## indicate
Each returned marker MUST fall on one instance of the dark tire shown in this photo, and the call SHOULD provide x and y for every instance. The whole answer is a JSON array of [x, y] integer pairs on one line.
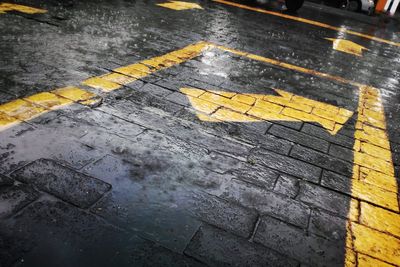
[[353, 5], [294, 5]]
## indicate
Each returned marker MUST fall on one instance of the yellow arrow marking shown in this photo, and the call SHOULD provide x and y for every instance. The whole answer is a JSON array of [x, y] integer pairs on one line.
[[347, 46], [237, 107], [179, 5], [4, 7]]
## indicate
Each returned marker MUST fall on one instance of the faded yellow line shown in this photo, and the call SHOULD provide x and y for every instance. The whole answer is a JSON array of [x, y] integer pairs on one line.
[[308, 21], [27, 108], [124, 75], [4, 7], [180, 5], [373, 230], [288, 66]]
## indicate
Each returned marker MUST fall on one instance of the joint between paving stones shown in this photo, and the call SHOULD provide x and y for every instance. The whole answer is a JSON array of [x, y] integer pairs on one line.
[[255, 228]]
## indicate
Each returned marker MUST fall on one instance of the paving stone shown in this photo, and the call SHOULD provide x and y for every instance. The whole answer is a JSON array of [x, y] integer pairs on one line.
[[178, 98], [223, 214], [287, 185], [256, 174], [148, 100], [162, 222], [148, 197], [5, 180], [327, 225], [65, 183], [265, 202], [184, 130], [297, 244], [324, 198], [219, 248], [286, 165], [322, 160], [13, 198], [336, 182], [155, 90], [58, 144], [341, 152], [63, 234], [146, 253], [299, 138], [112, 123], [319, 132]]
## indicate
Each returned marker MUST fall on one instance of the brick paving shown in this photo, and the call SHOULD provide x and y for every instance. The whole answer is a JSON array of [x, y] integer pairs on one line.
[[130, 163]]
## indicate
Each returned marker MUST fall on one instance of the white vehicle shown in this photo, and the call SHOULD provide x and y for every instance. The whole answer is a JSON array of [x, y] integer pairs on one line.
[[361, 5]]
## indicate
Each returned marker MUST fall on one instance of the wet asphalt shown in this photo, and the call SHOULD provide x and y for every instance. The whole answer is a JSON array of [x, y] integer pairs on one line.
[[139, 180]]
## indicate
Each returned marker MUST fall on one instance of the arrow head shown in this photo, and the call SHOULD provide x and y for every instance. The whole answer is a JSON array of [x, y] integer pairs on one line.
[[218, 106]]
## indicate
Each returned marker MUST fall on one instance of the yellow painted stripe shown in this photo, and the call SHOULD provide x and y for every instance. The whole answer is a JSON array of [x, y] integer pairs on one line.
[[180, 5], [32, 106], [288, 66], [374, 230], [4, 7], [124, 75], [308, 21]]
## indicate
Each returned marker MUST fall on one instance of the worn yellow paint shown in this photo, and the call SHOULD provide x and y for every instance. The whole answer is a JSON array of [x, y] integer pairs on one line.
[[224, 102], [375, 244], [100, 83], [222, 113], [377, 179], [347, 46], [366, 261], [73, 93], [380, 219], [284, 107], [7, 121], [4, 7], [245, 99], [375, 230], [48, 100], [32, 106], [180, 5], [128, 74], [308, 21]]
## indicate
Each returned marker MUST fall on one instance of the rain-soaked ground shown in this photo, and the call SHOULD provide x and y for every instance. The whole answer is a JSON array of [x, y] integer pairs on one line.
[[162, 133]]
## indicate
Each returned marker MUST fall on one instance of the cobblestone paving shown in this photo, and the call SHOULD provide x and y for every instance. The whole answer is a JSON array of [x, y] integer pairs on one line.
[[132, 134]]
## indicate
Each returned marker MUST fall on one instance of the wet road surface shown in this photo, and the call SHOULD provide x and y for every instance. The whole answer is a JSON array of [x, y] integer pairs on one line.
[[151, 133]]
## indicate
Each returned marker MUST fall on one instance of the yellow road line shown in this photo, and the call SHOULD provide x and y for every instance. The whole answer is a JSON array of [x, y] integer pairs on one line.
[[180, 5], [131, 73], [32, 106], [373, 231], [4, 7], [308, 21]]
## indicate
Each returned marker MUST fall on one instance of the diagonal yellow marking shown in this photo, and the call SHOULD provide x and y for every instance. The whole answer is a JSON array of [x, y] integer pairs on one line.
[[308, 21], [4, 7], [180, 5], [131, 73], [32, 106], [259, 107], [347, 46]]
